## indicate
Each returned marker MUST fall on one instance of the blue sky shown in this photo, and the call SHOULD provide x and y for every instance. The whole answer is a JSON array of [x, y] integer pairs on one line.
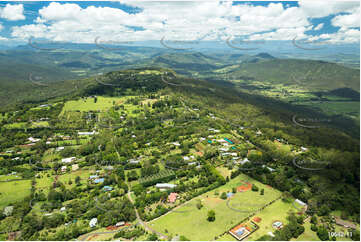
[[82, 22]]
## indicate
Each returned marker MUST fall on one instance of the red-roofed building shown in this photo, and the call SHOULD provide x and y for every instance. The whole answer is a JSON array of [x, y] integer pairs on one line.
[[172, 197]]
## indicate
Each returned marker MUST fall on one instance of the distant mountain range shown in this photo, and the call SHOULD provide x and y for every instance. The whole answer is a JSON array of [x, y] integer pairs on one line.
[[55, 66]]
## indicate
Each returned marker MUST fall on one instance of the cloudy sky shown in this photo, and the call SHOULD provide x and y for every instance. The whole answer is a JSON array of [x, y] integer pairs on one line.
[[129, 20]]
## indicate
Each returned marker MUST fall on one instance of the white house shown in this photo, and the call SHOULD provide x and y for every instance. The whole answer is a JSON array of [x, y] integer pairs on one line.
[[300, 202], [165, 185], [93, 222], [192, 163], [244, 161], [33, 140], [176, 143], [186, 158], [303, 148], [62, 209], [63, 169], [133, 161], [68, 160], [87, 133], [60, 148], [224, 149]]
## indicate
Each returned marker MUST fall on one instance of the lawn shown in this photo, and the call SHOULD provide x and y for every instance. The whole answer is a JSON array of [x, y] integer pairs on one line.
[[276, 211], [83, 174], [192, 222], [14, 191]]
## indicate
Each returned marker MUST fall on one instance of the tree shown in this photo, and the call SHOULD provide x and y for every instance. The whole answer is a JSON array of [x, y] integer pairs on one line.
[[234, 190], [322, 233], [199, 204], [262, 191], [223, 196], [77, 180], [211, 216], [254, 188], [152, 237]]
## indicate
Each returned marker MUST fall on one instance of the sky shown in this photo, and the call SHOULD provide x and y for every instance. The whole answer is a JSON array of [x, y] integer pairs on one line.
[[332, 22]]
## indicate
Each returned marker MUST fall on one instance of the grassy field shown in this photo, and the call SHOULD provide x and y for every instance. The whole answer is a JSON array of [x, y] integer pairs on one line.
[[83, 174], [103, 103], [276, 211], [13, 191], [192, 222]]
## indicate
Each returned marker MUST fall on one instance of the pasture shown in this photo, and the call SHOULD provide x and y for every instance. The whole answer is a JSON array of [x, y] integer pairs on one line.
[[184, 219], [88, 104], [13, 191]]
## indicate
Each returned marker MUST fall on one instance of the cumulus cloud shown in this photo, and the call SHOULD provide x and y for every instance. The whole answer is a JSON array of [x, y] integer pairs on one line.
[[12, 12], [176, 20], [347, 20], [319, 9]]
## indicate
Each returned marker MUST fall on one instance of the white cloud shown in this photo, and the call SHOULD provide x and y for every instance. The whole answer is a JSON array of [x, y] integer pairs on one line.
[[319, 26], [12, 12], [318, 9], [183, 21], [347, 20]]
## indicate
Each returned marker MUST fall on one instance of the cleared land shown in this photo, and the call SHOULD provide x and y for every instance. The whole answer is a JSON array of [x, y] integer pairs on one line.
[[13, 191], [192, 222]]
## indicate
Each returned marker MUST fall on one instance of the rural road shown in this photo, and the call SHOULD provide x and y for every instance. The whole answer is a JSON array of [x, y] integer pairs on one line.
[[144, 224]]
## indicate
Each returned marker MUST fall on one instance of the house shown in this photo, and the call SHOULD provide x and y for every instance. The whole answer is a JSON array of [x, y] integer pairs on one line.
[[259, 132], [300, 202], [277, 225], [107, 188], [242, 162], [8, 210], [271, 234], [98, 180], [165, 185], [62, 209], [121, 223], [229, 141], [176, 143], [93, 177], [172, 197], [269, 168], [63, 169], [202, 139], [74, 167], [345, 223], [68, 160], [93, 222], [192, 163], [303, 149], [133, 161], [186, 158], [87, 133], [33, 140]]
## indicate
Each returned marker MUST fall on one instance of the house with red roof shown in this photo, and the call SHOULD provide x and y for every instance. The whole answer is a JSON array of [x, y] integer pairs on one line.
[[172, 197]]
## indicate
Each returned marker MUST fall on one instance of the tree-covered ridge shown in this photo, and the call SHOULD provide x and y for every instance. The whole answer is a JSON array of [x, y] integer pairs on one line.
[[146, 121]]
